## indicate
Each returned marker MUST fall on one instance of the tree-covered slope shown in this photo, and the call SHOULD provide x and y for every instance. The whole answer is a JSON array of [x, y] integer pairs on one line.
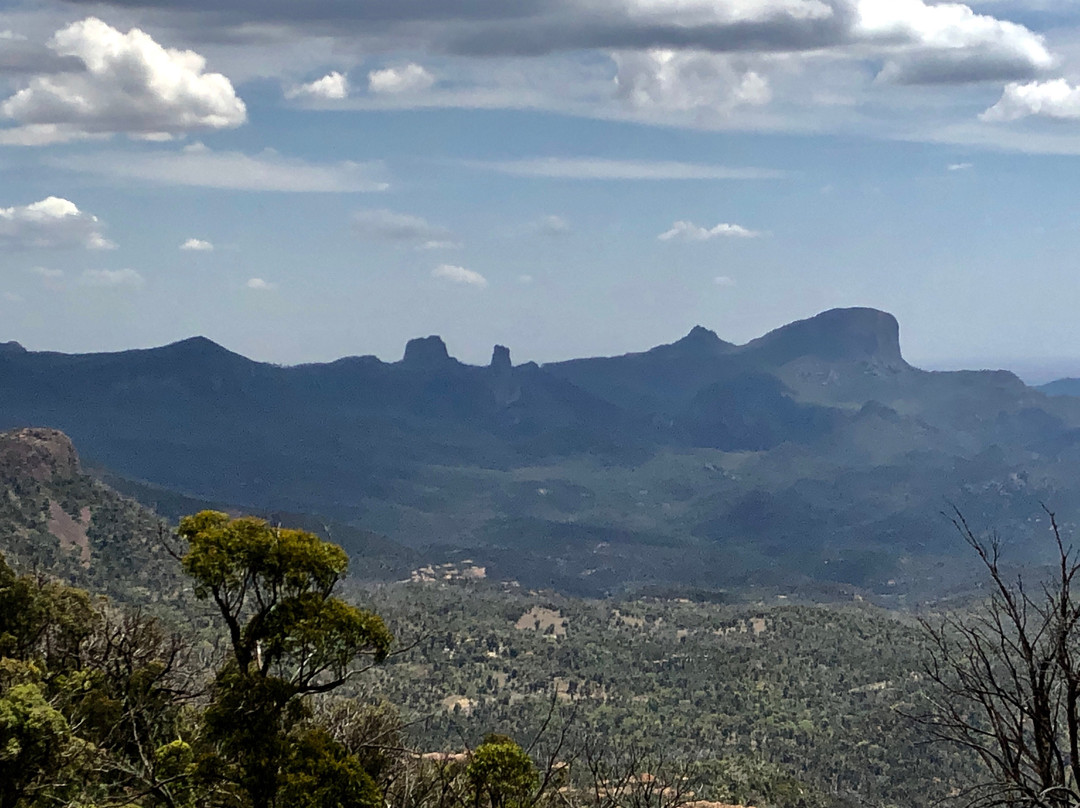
[[56, 520], [820, 695]]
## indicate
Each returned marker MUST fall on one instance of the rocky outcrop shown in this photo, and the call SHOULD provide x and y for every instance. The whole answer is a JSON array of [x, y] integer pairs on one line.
[[426, 352], [500, 359], [855, 334], [45, 455]]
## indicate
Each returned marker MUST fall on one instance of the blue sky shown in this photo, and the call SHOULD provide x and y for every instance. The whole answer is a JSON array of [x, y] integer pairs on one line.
[[302, 181]]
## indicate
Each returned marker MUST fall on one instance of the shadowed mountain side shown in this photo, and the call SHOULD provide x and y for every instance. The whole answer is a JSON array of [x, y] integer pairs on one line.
[[813, 453], [667, 378], [662, 380], [840, 358], [195, 417], [1061, 387]]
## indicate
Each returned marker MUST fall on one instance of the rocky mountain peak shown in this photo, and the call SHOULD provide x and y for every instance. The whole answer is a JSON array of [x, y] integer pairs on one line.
[[500, 358], [855, 334], [426, 352], [699, 342]]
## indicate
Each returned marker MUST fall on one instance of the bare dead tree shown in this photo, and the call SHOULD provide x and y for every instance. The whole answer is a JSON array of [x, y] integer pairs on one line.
[[629, 776], [1007, 680]]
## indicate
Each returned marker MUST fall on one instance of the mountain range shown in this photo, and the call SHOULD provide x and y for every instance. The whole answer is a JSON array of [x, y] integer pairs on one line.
[[814, 456]]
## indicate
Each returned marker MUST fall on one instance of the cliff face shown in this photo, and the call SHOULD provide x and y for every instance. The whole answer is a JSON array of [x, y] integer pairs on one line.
[[856, 334]]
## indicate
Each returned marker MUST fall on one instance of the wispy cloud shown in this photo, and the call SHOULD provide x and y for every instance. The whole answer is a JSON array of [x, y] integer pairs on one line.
[[410, 78], [112, 278], [197, 245], [593, 168], [197, 165], [260, 285], [404, 228], [51, 278], [551, 225]]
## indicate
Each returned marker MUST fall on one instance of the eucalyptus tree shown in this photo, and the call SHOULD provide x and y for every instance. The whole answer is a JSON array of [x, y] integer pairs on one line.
[[290, 637]]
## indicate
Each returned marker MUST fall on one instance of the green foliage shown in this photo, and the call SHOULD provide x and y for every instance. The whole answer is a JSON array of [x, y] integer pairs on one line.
[[44, 618], [320, 773], [803, 714], [86, 696], [40, 755], [501, 774], [274, 590], [290, 638]]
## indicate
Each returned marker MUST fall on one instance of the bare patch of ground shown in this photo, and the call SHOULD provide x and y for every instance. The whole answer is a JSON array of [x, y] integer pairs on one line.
[[466, 705], [755, 625], [541, 619], [69, 532]]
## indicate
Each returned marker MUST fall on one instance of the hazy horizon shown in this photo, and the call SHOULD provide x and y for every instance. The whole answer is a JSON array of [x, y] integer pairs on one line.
[[573, 178], [1032, 370]]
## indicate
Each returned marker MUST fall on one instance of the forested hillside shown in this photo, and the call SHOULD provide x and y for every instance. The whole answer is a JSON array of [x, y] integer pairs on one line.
[[755, 703], [56, 520], [817, 695]]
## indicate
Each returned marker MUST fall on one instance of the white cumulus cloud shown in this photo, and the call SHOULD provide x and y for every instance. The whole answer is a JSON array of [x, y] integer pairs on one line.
[[130, 84], [948, 43], [688, 231], [112, 278], [456, 274], [197, 245], [1047, 99], [408, 79], [51, 223], [260, 285], [331, 87]]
